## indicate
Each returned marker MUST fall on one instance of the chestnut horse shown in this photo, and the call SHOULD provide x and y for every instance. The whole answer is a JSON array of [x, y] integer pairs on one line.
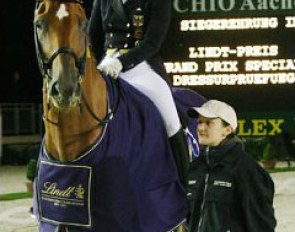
[[105, 162], [70, 80]]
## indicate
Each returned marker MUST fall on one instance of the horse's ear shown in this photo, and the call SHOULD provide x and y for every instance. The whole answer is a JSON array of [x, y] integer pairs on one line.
[[38, 3], [81, 2]]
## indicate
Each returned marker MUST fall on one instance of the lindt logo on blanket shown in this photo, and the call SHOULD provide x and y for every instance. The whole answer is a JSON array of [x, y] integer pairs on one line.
[[52, 189]]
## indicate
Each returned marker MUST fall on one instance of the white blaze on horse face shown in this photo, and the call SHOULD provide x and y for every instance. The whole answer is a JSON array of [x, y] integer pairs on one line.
[[62, 12]]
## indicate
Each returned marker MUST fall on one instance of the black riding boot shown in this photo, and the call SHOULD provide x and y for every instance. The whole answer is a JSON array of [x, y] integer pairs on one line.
[[181, 155], [60, 228]]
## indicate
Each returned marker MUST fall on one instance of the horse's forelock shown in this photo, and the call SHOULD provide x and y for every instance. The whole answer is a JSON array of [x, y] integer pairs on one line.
[[64, 1], [80, 2]]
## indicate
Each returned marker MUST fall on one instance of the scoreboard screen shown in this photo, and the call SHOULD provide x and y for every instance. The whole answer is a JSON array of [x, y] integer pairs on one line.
[[240, 51]]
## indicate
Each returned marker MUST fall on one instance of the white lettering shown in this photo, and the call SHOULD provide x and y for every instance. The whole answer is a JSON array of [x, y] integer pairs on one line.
[[181, 67], [270, 65], [209, 52], [234, 79], [223, 66], [239, 51], [290, 22], [229, 24], [257, 51]]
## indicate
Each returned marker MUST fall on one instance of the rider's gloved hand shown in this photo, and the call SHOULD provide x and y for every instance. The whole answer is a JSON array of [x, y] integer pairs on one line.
[[110, 66]]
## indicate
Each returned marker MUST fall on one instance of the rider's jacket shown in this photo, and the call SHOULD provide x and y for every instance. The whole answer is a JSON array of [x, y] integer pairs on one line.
[[112, 25]]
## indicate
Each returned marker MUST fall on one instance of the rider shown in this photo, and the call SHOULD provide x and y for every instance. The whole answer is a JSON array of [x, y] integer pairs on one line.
[[126, 37]]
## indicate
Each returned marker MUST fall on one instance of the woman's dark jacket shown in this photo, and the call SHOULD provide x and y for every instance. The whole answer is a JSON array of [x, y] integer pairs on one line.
[[230, 192], [111, 27]]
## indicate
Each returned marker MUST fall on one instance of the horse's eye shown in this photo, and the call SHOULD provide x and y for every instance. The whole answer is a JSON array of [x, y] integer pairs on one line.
[[39, 25], [83, 25]]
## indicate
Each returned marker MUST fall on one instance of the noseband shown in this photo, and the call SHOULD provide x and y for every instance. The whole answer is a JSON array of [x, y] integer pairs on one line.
[[45, 64]]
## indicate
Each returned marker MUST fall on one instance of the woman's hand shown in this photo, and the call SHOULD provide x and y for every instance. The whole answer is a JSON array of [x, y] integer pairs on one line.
[[110, 66]]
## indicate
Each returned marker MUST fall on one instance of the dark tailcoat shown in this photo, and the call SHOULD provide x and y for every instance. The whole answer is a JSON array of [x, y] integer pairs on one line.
[[111, 27]]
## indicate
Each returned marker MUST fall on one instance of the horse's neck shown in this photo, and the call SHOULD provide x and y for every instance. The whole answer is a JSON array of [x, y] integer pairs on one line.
[[70, 132]]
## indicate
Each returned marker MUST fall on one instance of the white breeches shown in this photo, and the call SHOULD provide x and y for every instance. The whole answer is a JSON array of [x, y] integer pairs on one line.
[[147, 81]]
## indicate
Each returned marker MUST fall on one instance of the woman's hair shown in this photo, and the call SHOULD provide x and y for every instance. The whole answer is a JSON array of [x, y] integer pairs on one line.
[[225, 124]]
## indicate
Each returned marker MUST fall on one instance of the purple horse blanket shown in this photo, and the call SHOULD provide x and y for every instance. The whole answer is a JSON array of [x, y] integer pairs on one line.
[[126, 182], [185, 99]]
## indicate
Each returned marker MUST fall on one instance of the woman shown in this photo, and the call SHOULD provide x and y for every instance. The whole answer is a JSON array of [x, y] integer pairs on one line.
[[228, 190], [126, 36]]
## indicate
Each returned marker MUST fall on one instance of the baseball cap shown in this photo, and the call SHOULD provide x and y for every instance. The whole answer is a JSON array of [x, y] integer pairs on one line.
[[216, 109]]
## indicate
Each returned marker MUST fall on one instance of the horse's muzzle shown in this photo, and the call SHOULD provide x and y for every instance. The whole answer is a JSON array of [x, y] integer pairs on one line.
[[65, 96]]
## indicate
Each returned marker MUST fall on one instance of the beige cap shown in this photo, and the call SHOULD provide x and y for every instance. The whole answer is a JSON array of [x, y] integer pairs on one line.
[[216, 109]]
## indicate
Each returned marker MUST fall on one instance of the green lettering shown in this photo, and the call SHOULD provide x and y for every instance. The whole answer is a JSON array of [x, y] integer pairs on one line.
[[247, 5]]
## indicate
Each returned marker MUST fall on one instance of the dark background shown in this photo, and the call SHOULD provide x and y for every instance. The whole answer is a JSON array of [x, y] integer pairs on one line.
[[20, 80]]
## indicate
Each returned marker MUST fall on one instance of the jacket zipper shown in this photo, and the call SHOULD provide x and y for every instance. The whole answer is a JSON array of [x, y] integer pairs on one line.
[[205, 190]]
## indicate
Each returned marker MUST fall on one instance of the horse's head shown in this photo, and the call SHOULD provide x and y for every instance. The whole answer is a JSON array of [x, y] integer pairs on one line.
[[60, 40]]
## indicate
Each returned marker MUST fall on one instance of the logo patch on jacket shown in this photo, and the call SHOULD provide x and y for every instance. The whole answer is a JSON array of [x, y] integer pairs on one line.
[[222, 183]]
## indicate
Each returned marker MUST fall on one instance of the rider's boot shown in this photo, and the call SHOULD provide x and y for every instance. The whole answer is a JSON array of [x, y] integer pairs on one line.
[[181, 154]]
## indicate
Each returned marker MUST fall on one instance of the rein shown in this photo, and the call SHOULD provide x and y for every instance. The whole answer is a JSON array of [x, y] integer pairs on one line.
[[109, 116], [101, 122]]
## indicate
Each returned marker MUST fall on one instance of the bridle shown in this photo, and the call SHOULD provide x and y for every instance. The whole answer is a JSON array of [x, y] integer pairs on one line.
[[45, 65], [44, 62]]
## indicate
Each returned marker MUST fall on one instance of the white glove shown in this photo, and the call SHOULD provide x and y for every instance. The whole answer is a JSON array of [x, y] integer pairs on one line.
[[110, 66]]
